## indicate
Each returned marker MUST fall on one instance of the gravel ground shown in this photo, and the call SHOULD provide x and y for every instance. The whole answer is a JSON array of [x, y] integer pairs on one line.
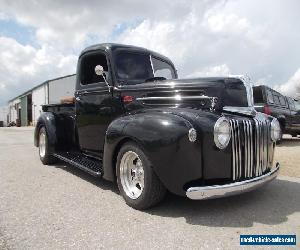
[[60, 207], [288, 154]]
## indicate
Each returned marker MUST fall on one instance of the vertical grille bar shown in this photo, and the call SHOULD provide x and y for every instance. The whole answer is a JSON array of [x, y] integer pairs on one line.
[[252, 149], [268, 143], [245, 149], [232, 125], [262, 147], [236, 151], [249, 148], [261, 138], [239, 151], [257, 147]]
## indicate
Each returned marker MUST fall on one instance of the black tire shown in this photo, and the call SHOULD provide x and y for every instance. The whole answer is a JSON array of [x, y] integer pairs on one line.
[[153, 191], [46, 157]]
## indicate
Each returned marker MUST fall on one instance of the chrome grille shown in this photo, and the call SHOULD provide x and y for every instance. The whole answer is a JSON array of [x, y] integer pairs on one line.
[[252, 148]]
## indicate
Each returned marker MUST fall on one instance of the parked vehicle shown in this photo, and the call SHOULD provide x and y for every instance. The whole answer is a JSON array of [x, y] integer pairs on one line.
[[134, 122], [285, 109], [12, 124]]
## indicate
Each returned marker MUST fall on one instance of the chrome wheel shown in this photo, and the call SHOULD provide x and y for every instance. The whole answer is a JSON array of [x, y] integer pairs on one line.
[[42, 144], [132, 174]]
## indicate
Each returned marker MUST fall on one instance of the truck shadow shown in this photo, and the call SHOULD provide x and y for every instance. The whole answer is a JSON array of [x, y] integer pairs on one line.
[[289, 142], [269, 205], [97, 181]]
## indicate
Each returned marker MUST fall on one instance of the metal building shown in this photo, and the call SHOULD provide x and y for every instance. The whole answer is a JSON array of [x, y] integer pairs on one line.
[[26, 108]]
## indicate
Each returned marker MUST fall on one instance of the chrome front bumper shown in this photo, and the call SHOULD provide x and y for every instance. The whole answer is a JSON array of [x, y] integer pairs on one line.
[[216, 191]]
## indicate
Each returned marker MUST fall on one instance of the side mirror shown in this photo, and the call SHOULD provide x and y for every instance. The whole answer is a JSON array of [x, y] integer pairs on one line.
[[99, 70]]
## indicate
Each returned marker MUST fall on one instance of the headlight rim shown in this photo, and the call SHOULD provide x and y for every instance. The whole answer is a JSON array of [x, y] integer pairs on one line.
[[216, 139], [275, 121]]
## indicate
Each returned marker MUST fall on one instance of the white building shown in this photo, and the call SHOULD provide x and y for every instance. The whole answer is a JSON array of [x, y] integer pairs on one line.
[[26, 108], [3, 116]]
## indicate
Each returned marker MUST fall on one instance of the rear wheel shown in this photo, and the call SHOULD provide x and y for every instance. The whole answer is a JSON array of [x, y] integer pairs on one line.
[[45, 155], [137, 182]]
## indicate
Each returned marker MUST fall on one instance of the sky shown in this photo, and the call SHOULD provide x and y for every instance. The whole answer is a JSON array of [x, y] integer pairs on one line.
[[41, 40]]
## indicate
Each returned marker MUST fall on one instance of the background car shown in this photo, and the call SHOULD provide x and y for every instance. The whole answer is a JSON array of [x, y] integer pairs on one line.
[[285, 109]]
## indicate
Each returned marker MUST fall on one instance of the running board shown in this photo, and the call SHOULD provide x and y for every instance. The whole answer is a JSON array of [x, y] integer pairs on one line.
[[87, 164]]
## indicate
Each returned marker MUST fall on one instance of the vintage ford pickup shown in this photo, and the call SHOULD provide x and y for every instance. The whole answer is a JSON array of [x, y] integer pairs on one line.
[[132, 120]]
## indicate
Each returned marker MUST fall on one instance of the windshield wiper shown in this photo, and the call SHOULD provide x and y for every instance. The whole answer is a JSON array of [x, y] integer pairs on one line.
[[156, 78]]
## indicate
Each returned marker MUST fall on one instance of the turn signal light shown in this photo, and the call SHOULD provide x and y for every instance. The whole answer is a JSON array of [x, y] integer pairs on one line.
[[267, 110], [127, 99]]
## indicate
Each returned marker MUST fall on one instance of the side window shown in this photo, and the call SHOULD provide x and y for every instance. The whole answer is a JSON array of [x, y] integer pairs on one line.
[[258, 95], [162, 69], [297, 105], [291, 103], [87, 68], [276, 100], [282, 101], [133, 66], [270, 97]]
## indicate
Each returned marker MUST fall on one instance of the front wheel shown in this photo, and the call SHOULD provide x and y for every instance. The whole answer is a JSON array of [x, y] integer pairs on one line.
[[137, 182], [45, 155]]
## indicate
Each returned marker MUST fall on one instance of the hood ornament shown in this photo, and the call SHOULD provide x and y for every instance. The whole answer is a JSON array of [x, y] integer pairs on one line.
[[214, 101]]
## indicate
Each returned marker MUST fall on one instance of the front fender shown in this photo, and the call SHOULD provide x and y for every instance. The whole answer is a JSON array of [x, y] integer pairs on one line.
[[164, 139]]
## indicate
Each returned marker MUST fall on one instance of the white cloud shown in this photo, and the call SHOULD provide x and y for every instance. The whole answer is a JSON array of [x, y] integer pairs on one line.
[[218, 70], [195, 42], [22, 67], [201, 37], [3, 16], [292, 86], [219, 22], [2, 86], [263, 80]]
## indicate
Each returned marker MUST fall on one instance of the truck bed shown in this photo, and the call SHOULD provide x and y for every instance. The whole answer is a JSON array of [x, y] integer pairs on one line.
[[59, 108]]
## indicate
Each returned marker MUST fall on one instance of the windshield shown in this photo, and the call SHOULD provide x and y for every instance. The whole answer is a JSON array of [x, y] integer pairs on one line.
[[139, 67]]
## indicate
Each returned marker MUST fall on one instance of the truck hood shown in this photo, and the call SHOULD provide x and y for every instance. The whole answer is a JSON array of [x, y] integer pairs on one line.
[[187, 93]]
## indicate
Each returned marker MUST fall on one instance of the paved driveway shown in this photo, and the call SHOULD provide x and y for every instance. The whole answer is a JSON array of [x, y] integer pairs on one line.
[[60, 207]]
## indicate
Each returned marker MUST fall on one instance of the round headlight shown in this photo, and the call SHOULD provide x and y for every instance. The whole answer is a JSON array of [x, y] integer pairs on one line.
[[222, 133], [275, 130]]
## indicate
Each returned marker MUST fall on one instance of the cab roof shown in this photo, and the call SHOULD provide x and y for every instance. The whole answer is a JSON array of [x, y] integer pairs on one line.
[[112, 46]]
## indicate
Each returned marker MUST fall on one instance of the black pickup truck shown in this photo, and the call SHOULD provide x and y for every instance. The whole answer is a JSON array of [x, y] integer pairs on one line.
[[133, 121], [285, 109]]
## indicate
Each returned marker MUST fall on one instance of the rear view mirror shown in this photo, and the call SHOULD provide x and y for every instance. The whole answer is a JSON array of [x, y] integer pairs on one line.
[[99, 70]]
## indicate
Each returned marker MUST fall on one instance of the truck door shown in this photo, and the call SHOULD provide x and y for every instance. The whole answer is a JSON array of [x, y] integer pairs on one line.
[[93, 103], [295, 115]]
